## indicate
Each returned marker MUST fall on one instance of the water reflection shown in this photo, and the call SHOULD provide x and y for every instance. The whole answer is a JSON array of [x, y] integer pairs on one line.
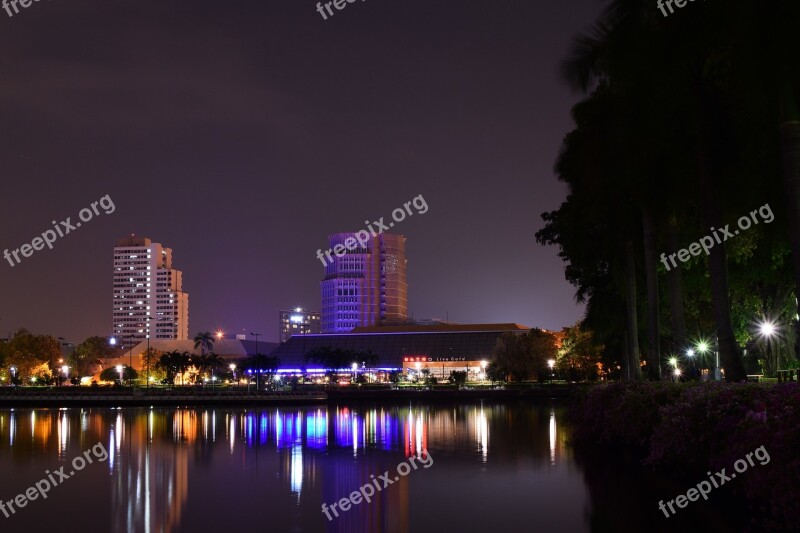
[[173, 470]]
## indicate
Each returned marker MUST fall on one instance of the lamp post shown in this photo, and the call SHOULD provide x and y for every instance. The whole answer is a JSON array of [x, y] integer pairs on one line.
[[131, 338], [233, 369], [690, 353], [703, 348], [147, 356], [767, 329], [258, 376], [256, 335], [65, 370], [551, 363], [354, 366], [13, 370], [119, 369], [483, 372]]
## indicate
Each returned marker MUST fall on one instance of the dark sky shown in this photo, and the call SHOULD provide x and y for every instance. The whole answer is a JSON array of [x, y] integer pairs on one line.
[[242, 133]]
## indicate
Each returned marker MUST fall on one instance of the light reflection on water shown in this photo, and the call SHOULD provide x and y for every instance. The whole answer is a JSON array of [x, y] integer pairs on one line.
[[172, 470]]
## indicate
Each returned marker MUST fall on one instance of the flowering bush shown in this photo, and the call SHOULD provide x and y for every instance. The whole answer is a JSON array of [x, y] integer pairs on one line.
[[693, 428], [621, 413]]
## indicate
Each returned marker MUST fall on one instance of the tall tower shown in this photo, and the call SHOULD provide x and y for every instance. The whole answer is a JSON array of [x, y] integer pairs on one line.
[[148, 295], [366, 285]]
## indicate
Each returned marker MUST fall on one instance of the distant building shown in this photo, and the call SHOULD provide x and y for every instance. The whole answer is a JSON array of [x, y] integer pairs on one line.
[[230, 350], [440, 348], [366, 286], [297, 322], [149, 300]]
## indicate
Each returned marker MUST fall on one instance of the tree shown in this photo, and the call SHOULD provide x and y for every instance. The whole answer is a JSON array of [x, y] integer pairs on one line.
[[519, 357], [88, 356], [459, 377], [27, 352], [579, 357], [174, 364], [204, 363], [149, 364], [112, 374], [204, 341], [259, 365]]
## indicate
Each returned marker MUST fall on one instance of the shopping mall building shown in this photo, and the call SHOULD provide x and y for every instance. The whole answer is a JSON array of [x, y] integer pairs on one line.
[[440, 348]]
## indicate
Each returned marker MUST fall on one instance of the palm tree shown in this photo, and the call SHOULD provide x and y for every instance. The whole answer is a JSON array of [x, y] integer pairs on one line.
[[204, 341]]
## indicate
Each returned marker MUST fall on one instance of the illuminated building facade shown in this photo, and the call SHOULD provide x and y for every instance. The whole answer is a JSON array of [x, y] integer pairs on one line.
[[440, 349], [366, 286], [297, 322], [149, 301]]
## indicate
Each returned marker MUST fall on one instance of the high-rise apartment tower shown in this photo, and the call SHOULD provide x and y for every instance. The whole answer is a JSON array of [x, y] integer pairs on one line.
[[148, 296]]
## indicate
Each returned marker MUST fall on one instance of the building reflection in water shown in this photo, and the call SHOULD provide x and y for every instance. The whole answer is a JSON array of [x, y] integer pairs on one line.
[[322, 453]]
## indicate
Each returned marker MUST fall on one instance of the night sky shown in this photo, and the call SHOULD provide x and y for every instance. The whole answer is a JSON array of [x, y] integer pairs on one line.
[[241, 134]]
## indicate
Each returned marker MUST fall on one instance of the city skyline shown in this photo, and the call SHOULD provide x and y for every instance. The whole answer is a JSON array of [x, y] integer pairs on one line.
[[227, 151]]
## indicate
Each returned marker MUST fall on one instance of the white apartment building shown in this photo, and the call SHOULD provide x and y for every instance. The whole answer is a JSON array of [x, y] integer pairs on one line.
[[149, 300]]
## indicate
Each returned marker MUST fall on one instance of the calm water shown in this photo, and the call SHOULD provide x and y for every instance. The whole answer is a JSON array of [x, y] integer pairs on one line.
[[494, 468]]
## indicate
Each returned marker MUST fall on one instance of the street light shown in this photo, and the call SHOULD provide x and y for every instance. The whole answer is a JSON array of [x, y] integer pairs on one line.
[[483, 371], [119, 369], [551, 363], [13, 370], [673, 361], [256, 335], [354, 366], [220, 335], [703, 347], [233, 369], [65, 370], [768, 329]]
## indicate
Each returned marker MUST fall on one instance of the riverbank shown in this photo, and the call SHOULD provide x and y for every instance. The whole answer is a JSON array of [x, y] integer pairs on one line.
[[180, 396]]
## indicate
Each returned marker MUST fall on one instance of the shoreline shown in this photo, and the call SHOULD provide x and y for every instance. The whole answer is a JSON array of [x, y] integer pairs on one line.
[[26, 398]]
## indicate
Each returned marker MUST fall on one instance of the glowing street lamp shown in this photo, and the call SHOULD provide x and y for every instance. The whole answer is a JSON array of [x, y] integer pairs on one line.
[[768, 329], [65, 370], [220, 335], [673, 361], [13, 370], [354, 366], [703, 347], [119, 369]]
